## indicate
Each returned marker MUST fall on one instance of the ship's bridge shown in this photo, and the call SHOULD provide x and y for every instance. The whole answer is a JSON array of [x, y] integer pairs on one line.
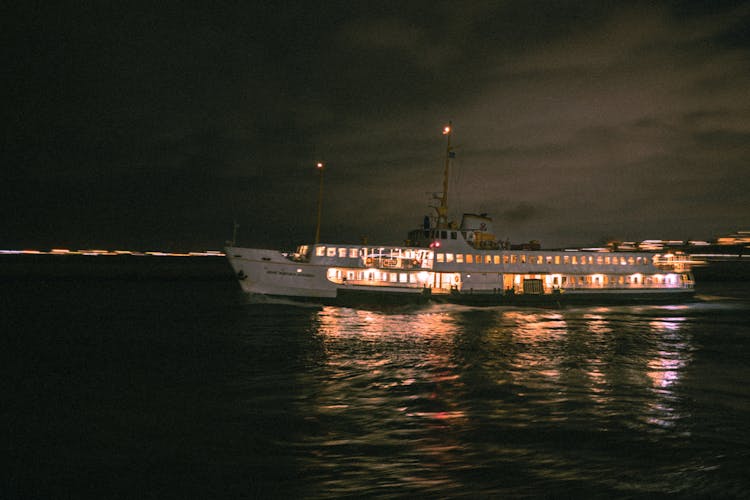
[[476, 231]]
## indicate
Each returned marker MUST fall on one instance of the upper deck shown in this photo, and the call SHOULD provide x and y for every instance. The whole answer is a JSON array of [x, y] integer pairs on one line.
[[463, 258]]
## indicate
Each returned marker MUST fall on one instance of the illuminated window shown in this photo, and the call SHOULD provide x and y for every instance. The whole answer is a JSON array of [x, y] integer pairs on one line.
[[403, 277], [548, 259], [440, 257], [599, 259], [623, 261], [478, 259], [513, 259], [639, 260], [320, 251], [394, 277], [459, 258], [488, 259], [566, 259], [607, 260], [574, 260], [505, 259], [631, 261], [342, 252], [557, 259], [449, 257], [412, 278], [469, 258], [539, 259], [523, 258], [353, 253], [331, 252], [496, 259]]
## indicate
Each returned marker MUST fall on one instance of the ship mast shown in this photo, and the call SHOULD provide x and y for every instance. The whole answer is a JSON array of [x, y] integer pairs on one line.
[[319, 166], [442, 210]]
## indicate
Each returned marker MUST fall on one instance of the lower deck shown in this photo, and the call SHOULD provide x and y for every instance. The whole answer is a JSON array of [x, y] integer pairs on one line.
[[442, 283]]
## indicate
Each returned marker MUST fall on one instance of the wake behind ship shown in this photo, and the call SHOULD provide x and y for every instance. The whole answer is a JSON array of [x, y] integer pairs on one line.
[[446, 262]]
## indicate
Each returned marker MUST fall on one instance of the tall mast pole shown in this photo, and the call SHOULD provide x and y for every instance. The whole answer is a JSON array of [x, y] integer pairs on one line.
[[443, 208], [320, 202], [234, 233]]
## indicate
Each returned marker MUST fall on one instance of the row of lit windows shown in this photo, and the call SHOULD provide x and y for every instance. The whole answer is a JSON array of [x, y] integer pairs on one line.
[[460, 258], [354, 252], [382, 276], [340, 252], [603, 279]]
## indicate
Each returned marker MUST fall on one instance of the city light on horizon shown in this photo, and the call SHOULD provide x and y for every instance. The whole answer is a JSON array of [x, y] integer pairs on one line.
[[109, 253]]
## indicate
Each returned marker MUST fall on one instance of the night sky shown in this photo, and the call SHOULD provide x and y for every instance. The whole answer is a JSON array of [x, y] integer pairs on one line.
[[155, 126]]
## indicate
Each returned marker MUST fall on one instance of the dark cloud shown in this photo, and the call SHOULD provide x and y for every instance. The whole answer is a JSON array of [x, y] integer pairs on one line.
[[520, 213], [159, 125]]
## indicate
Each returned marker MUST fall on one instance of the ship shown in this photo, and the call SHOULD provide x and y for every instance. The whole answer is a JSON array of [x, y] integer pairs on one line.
[[442, 261]]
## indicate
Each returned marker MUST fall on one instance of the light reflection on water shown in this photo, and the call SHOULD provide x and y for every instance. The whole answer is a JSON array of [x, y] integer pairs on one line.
[[426, 399]]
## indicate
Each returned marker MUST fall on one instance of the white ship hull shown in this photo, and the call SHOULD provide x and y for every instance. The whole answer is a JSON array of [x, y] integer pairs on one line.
[[328, 274]]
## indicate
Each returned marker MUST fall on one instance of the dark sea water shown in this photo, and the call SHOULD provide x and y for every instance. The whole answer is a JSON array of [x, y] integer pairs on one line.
[[179, 388]]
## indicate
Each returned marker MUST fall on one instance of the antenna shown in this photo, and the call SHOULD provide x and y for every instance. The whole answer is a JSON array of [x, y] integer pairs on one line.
[[319, 166]]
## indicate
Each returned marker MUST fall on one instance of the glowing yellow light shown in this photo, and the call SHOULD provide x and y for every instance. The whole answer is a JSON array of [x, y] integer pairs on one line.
[[446, 130], [319, 164]]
